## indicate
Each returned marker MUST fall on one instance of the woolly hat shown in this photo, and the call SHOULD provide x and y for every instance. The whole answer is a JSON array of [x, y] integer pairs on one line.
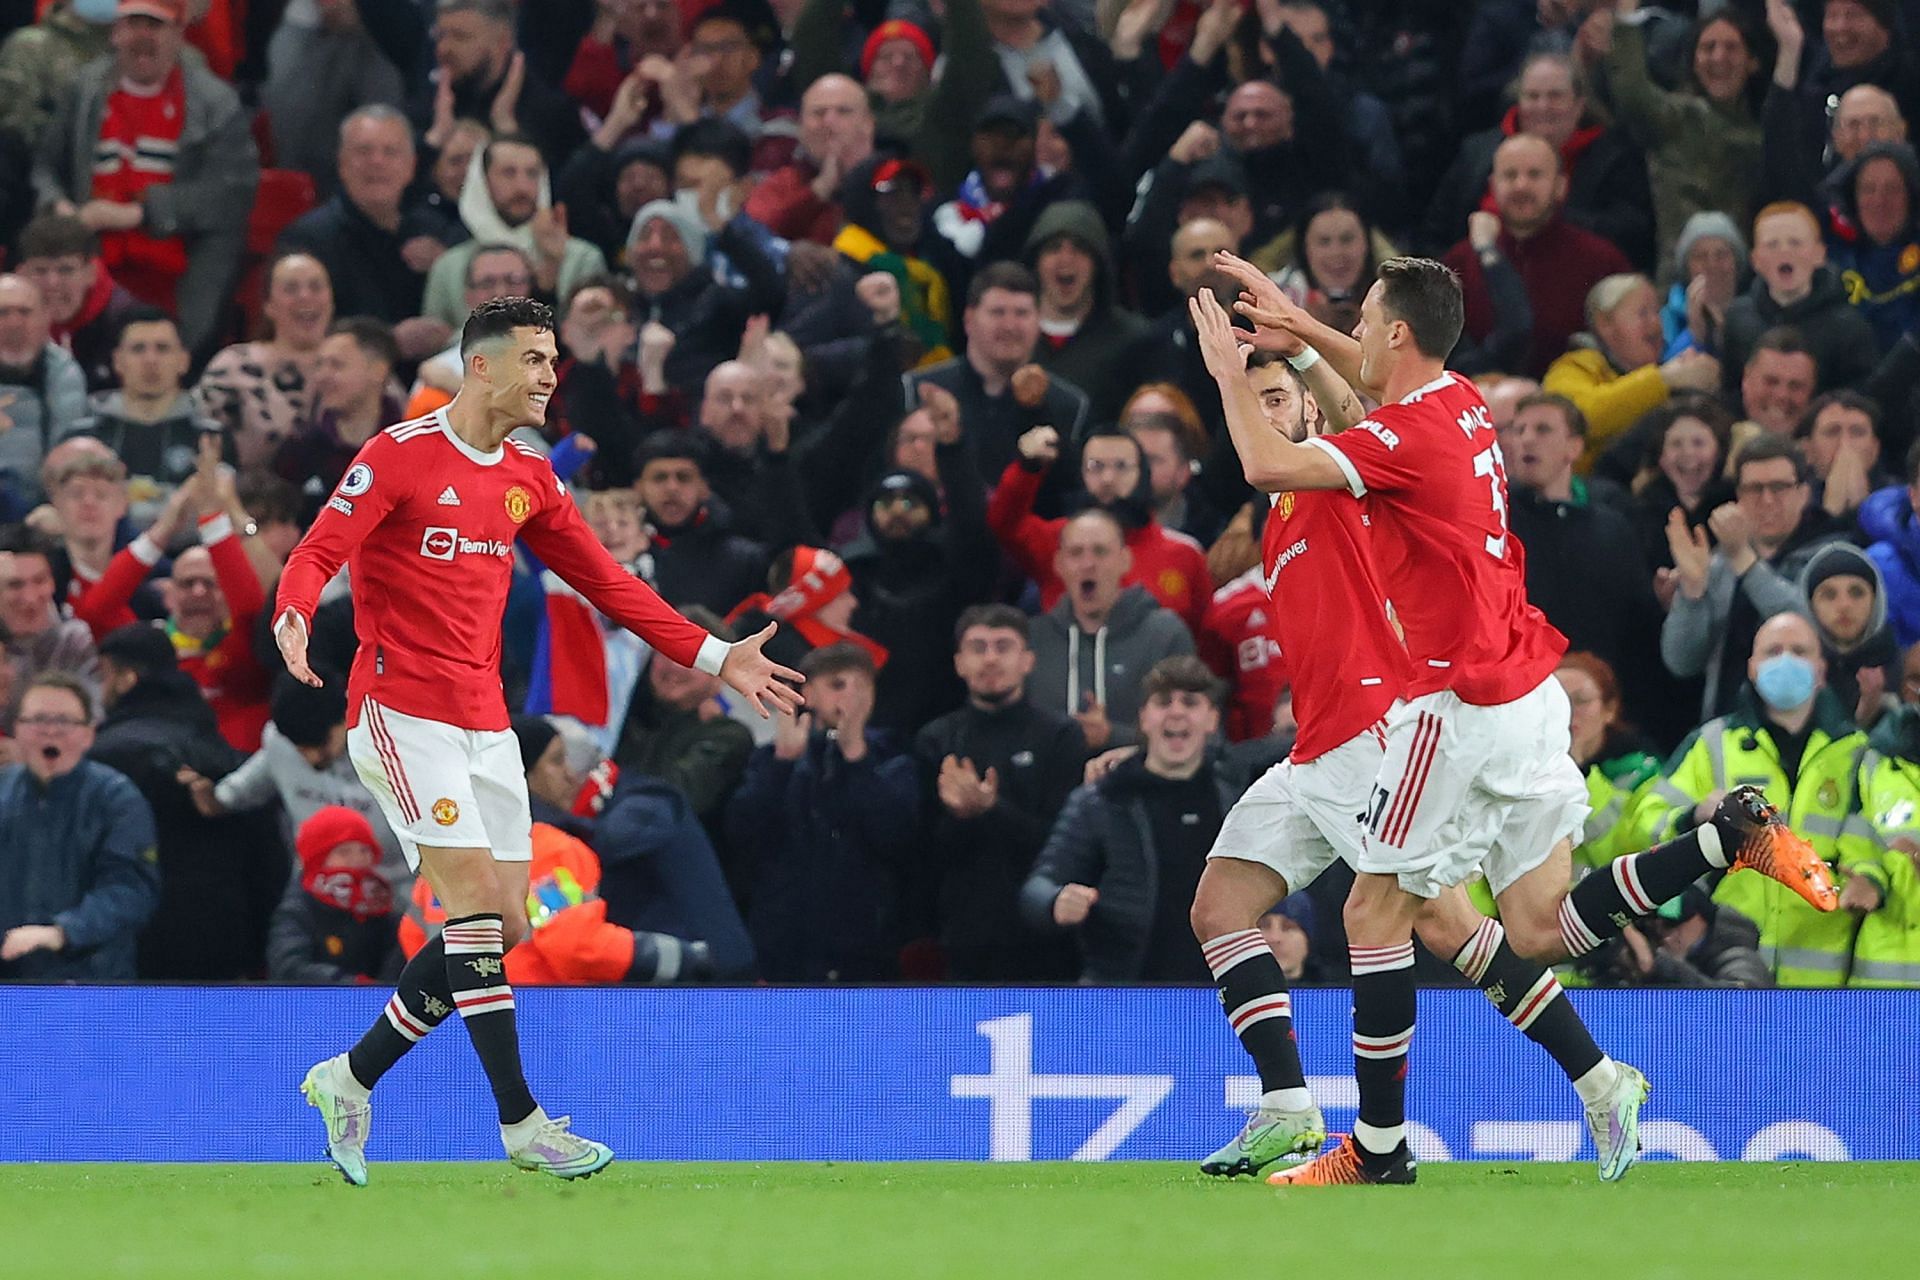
[[327, 830], [895, 29], [1884, 12], [534, 733], [1707, 224], [681, 219]]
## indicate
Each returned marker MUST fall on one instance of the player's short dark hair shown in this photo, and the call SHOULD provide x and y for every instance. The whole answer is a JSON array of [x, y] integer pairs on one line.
[[1842, 399], [1569, 411], [66, 683], [1425, 296], [497, 318], [57, 235], [1268, 359], [143, 314], [676, 443], [1011, 276], [834, 659], [716, 139], [1785, 340], [997, 617], [1767, 448], [715, 625], [371, 335], [304, 715], [1182, 673], [142, 648]]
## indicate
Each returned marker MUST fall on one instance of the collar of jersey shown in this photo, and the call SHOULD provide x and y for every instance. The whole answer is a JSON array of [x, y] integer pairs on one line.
[[473, 454], [1444, 380]]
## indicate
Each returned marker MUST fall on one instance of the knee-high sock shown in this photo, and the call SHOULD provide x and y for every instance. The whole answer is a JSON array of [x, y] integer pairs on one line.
[[477, 976], [1384, 1001], [1530, 998], [1254, 994], [1607, 901], [421, 1001]]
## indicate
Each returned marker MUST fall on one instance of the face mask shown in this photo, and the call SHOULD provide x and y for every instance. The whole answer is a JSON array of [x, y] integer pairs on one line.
[[1784, 681], [98, 12]]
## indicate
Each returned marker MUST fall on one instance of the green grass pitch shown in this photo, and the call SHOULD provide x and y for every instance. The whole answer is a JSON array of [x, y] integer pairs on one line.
[[972, 1221]]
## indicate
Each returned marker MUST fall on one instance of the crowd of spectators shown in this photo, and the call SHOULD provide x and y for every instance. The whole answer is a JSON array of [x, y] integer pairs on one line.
[[872, 316]]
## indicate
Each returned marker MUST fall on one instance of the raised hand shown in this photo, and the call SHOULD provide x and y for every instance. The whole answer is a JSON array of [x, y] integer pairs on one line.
[[1220, 346], [1030, 384], [1040, 445], [944, 408], [790, 734], [1074, 903], [1094, 724], [504, 115], [1691, 554], [291, 636]]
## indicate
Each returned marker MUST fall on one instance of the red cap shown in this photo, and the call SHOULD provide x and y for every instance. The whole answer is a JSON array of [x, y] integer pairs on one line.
[[327, 830], [895, 29], [819, 577], [163, 10]]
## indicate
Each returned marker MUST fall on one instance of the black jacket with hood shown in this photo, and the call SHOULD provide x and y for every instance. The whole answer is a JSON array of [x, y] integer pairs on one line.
[[1095, 356], [1839, 337], [1874, 648]]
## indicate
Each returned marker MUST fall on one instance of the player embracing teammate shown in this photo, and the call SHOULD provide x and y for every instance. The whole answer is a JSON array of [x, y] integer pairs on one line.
[[1424, 770]]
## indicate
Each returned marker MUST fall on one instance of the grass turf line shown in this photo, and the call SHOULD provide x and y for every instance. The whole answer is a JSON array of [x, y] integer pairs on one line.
[[1485, 1221]]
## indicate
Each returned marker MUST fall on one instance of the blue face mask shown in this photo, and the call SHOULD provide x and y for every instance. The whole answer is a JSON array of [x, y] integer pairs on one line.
[[98, 12], [1784, 681]]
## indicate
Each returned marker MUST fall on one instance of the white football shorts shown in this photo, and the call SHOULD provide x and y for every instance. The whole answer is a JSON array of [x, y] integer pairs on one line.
[[442, 786]]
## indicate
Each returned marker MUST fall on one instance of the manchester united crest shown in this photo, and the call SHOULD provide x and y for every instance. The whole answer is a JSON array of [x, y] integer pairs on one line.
[[1285, 505], [519, 504], [445, 812]]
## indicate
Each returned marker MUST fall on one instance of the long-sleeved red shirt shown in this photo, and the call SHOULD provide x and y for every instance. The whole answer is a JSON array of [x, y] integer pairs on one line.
[[224, 665], [426, 525], [1169, 564]]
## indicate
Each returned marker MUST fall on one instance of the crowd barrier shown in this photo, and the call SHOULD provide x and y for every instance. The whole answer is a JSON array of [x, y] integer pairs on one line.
[[189, 1073]]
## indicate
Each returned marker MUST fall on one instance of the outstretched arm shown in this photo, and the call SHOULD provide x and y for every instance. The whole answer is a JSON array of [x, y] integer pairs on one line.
[[1272, 462]]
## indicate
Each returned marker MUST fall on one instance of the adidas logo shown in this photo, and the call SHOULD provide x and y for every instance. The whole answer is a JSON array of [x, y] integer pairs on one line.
[[448, 498]]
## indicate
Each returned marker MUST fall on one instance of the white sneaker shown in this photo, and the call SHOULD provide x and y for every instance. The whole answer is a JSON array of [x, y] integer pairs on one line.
[[1615, 1124], [556, 1149], [349, 1118]]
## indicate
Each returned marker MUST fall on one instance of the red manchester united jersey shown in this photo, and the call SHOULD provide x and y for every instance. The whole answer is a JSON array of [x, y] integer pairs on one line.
[[426, 525], [1335, 631], [1437, 485], [1236, 638]]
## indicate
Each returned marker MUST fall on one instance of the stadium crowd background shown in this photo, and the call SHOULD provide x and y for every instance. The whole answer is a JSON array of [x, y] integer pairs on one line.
[[861, 306]]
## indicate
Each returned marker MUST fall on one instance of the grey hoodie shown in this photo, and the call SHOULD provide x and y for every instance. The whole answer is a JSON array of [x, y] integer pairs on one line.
[[278, 771], [1874, 648], [1069, 663]]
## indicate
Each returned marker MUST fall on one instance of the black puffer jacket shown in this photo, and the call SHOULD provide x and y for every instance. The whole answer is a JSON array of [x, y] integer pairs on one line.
[[1104, 838]]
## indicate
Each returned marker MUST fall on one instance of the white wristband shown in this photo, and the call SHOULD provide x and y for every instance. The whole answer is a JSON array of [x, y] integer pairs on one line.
[[1305, 360]]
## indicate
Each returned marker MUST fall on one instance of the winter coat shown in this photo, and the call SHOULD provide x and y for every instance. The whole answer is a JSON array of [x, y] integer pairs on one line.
[[315, 943], [1696, 637], [77, 853], [707, 317], [208, 201], [1610, 398], [707, 562], [1104, 839], [659, 872], [831, 841], [1839, 336], [912, 590], [1874, 648], [994, 424], [1070, 666], [1887, 518], [1882, 280], [220, 878], [1095, 356], [1701, 154], [47, 406], [362, 258], [1606, 189], [163, 451], [974, 868], [1558, 265]]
